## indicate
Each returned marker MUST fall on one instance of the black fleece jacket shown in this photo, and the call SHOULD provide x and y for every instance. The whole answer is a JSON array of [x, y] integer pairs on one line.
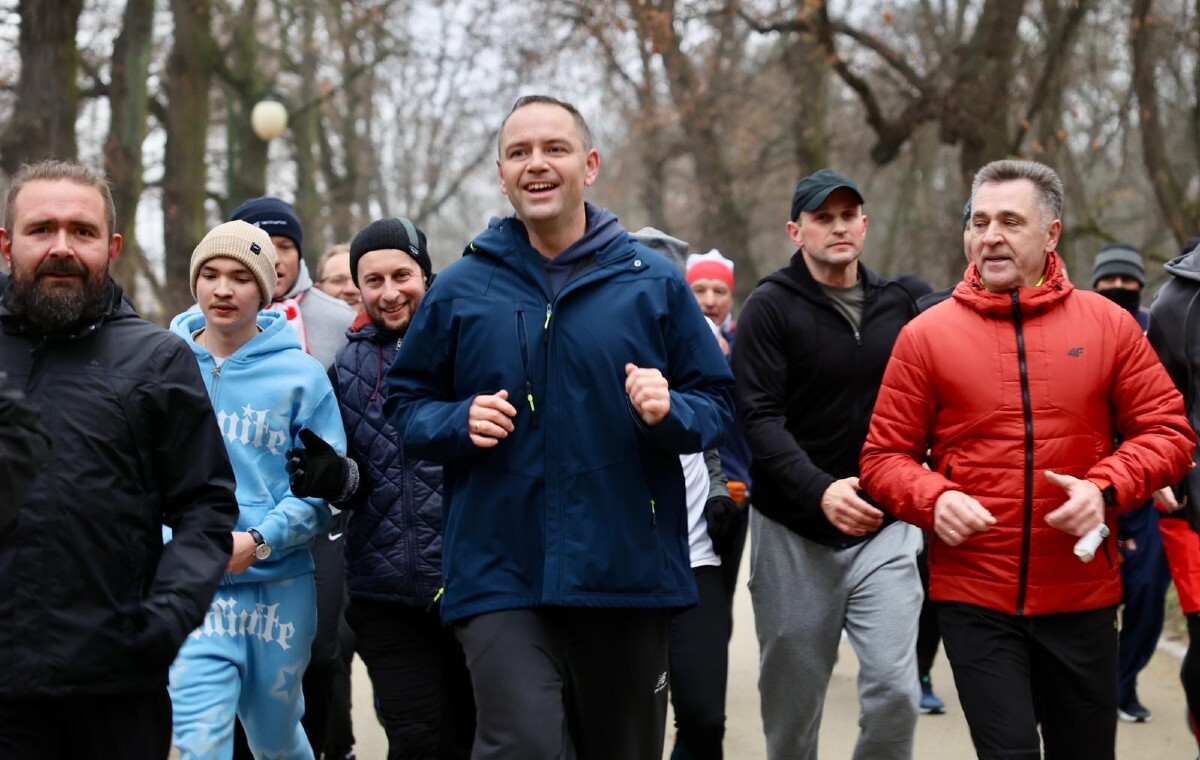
[[807, 382]]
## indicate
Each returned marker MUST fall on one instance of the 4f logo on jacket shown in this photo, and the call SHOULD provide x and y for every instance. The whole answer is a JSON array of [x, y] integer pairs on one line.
[[250, 428], [1076, 352]]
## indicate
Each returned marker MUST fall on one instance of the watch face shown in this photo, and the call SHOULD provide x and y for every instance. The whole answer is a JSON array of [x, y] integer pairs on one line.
[[262, 551]]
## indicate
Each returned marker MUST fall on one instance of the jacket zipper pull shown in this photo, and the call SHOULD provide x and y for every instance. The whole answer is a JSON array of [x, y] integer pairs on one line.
[[653, 514], [858, 338], [436, 598], [216, 372], [532, 409], [546, 326]]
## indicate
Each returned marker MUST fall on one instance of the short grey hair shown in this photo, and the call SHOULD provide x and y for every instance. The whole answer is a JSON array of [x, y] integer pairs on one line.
[[1045, 180]]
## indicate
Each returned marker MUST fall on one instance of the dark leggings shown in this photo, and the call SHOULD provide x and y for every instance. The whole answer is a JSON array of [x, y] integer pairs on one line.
[[1189, 673], [929, 634], [699, 666]]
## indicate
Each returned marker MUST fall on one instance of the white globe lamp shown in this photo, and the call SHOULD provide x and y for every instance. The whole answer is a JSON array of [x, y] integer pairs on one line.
[[268, 119]]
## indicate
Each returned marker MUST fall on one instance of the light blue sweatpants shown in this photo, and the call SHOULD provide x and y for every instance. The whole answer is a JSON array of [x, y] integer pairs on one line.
[[247, 658], [804, 594]]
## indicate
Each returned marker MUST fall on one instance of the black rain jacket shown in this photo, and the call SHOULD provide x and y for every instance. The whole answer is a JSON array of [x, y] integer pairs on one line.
[[1175, 334], [91, 601]]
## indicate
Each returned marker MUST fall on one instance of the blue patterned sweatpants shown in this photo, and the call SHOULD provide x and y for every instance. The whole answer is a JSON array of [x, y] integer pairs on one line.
[[247, 659]]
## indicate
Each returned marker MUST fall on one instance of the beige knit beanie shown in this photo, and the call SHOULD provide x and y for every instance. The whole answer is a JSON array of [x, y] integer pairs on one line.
[[244, 243]]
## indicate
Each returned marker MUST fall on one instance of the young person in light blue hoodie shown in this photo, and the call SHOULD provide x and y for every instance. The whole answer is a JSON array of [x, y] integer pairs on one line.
[[248, 657]]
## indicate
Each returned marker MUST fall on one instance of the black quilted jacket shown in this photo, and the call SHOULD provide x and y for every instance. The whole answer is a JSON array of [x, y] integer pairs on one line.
[[394, 540]]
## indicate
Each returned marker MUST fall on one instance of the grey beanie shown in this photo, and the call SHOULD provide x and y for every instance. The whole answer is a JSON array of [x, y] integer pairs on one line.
[[1121, 260], [673, 248]]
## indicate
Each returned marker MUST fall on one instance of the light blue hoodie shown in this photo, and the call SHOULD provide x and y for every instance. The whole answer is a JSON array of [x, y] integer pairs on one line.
[[263, 395]]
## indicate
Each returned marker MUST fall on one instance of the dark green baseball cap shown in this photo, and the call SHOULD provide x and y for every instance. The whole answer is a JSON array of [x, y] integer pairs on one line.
[[812, 191]]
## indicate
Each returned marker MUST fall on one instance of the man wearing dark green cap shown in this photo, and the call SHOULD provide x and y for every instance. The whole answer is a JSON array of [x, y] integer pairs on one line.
[[813, 341]]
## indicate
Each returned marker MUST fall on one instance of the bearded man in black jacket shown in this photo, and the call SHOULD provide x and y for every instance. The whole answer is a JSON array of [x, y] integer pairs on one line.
[[813, 341], [93, 607]]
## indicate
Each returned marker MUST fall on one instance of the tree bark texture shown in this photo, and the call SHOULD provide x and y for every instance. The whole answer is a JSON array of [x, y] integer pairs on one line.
[[129, 104], [189, 84], [43, 117]]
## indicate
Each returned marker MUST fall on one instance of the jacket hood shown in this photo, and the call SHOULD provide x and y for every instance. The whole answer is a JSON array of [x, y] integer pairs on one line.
[[303, 282], [602, 229], [1186, 266], [276, 335], [673, 248], [507, 242], [797, 278], [1054, 287]]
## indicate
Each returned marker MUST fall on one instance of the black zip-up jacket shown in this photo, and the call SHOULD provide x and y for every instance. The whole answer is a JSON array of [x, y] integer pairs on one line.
[[91, 601], [806, 385], [1175, 334]]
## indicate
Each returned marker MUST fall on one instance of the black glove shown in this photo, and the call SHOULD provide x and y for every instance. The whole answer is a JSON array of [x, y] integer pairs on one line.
[[317, 470], [723, 516]]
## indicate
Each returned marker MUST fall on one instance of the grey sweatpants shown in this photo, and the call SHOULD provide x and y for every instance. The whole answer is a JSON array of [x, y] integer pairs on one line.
[[804, 594]]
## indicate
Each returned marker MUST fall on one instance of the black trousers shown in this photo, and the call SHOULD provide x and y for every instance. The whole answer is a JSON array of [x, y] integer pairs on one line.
[[556, 682], [929, 635], [731, 562], [1014, 673], [109, 727], [326, 666], [1189, 673], [419, 676], [699, 659]]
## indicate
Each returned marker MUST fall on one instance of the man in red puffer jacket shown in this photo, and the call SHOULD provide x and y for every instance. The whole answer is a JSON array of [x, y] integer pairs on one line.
[[1014, 391]]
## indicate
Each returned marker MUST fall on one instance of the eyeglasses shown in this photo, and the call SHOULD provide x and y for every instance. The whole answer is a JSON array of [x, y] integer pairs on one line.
[[338, 280]]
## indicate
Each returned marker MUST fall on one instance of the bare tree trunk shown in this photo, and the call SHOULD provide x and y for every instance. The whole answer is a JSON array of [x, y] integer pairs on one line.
[[976, 113], [304, 129], [1168, 194], [723, 223], [189, 82], [649, 128], [247, 85], [806, 62], [129, 103], [43, 117]]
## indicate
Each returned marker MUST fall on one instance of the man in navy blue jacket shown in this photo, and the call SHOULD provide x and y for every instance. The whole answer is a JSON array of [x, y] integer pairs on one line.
[[558, 371]]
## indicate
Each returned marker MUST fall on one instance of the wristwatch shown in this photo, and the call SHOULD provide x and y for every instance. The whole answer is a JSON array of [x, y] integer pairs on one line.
[[262, 549]]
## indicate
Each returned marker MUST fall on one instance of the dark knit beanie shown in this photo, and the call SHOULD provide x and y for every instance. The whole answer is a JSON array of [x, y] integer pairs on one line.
[[386, 234], [273, 215], [1123, 260]]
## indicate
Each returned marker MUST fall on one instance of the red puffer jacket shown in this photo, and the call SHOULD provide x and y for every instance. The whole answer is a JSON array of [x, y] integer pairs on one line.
[[998, 395]]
